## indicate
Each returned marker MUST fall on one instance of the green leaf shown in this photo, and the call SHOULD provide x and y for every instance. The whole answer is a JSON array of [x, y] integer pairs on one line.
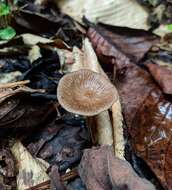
[[4, 9], [7, 33], [169, 26]]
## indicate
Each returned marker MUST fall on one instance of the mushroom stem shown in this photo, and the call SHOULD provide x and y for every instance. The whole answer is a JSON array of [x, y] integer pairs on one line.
[[104, 128], [118, 129]]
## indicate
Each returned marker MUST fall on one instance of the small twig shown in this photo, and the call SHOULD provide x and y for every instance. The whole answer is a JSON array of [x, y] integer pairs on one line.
[[14, 84], [46, 185], [70, 175], [42, 186]]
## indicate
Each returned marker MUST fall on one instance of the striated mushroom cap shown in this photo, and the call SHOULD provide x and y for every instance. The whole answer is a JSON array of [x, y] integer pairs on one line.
[[85, 92]]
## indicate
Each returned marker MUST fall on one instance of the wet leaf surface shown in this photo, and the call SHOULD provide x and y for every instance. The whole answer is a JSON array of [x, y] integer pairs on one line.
[[147, 113], [150, 121]]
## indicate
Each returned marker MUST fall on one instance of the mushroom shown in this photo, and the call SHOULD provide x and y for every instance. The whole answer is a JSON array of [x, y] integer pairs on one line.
[[102, 130], [86, 92]]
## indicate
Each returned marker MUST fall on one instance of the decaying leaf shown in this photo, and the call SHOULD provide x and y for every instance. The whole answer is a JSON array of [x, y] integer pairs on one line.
[[162, 75], [146, 110], [101, 170], [121, 45], [107, 12], [148, 116], [68, 58], [56, 182], [31, 172]]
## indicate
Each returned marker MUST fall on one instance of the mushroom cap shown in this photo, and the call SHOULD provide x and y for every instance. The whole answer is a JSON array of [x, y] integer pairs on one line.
[[85, 92]]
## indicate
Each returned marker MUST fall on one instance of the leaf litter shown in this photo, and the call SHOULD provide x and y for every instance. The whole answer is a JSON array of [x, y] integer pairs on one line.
[[128, 145]]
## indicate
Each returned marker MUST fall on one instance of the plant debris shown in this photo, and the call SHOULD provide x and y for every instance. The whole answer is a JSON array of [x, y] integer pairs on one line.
[[100, 169], [108, 126]]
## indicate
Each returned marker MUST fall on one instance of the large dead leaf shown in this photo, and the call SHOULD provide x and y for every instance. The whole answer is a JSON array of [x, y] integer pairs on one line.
[[101, 170], [116, 13], [148, 116], [146, 110], [122, 45]]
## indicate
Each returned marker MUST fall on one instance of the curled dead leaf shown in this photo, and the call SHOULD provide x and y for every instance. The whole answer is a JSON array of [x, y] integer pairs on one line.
[[119, 45], [101, 170]]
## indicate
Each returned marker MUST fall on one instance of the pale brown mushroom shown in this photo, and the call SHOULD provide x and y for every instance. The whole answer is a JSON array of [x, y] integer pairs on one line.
[[85, 92]]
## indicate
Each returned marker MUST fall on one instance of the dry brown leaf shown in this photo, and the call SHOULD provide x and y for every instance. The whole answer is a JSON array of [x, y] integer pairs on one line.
[[101, 170], [119, 45], [146, 110]]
